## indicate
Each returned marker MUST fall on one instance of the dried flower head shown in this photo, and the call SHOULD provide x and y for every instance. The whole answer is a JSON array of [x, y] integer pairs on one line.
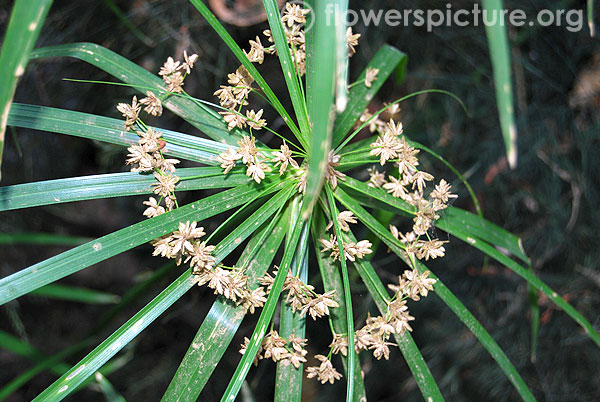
[[153, 105], [371, 76], [324, 372]]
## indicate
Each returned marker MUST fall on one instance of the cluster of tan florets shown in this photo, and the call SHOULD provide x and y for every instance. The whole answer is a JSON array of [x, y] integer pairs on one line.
[[409, 184], [234, 97], [183, 245], [352, 250], [186, 246], [305, 301], [148, 154]]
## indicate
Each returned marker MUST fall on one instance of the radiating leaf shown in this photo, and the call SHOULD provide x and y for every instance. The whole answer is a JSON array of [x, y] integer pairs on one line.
[[501, 60], [26, 21], [453, 218], [265, 317], [332, 281], [112, 185], [288, 68], [321, 107], [110, 130], [198, 115], [386, 60], [288, 379], [333, 211], [122, 240], [103, 352]]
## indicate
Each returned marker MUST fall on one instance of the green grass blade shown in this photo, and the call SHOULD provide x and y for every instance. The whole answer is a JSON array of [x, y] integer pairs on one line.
[[347, 294], [111, 185], [590, 13], [332, 280], [128, 24], [288, 379], [288, 68], [134, 293], [387, 59], [24, 26], [447, 296], [223, 320], [107, 349], [322, 85], [122, 240], [40, 239], [241, 56], [110, 393], [265, 316], [110, 130], [51, 363], [198, 115], [501, 60], [75, 294]]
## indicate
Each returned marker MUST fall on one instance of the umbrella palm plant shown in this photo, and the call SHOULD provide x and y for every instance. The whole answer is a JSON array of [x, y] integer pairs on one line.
[[275, 201]]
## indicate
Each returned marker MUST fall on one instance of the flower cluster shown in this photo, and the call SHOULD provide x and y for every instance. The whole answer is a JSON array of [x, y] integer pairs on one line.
[[376, 332], [409, 184], [183, 245], [148, 154], [174, 72], [352, 250], [273, 346], [249, 154], [234, 97], [302, 297]]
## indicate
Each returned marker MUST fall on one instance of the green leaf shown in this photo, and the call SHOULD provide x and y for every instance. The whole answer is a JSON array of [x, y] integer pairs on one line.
[[128, 24], [332, 280], [288, 68], [198, 115], [452, 219], [446, 295], [333, 212], [107, 349], [75, 294], [26, 21], [110, 393], [110, 130], [223, 319], [288, 379], [51, 363], [40, 239], [387, 59], [322, 85], [530, 277], [500, 53], [265, 316], [111, 185], [122, 240], [241, 56]]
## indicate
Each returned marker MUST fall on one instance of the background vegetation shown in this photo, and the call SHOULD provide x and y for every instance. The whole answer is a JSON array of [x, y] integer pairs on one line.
[[550, 201]]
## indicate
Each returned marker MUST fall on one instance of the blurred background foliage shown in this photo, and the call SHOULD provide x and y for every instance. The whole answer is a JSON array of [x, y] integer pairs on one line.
[[550, 200]]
